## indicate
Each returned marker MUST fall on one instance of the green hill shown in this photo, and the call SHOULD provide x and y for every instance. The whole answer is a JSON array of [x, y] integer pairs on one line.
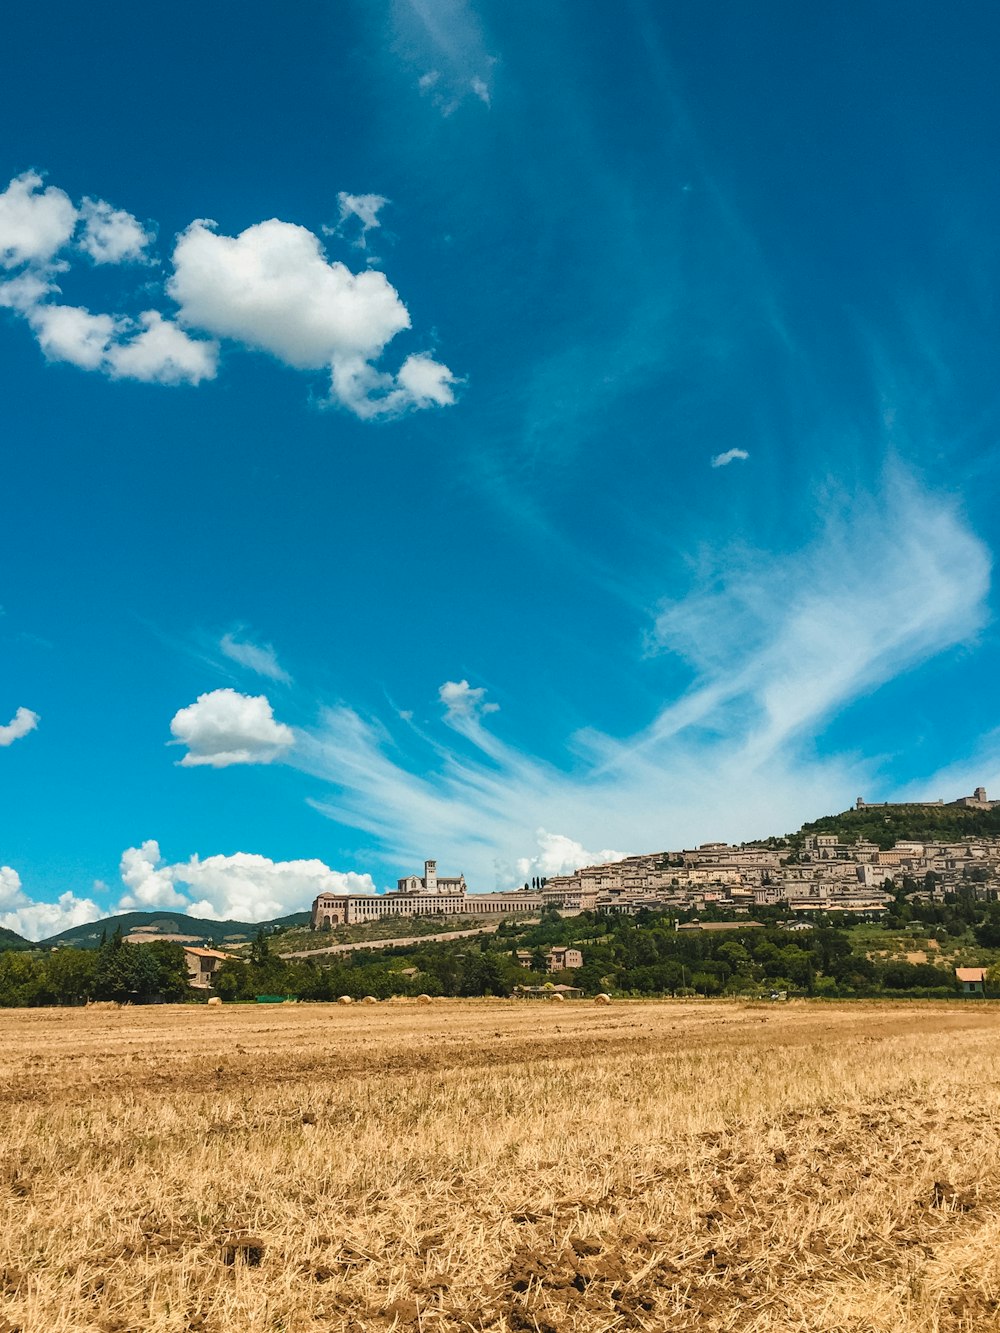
[[10, 940], [886, 824], [156, 925]]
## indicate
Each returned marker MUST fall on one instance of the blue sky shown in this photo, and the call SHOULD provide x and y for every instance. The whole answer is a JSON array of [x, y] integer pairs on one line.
[[466, 430]]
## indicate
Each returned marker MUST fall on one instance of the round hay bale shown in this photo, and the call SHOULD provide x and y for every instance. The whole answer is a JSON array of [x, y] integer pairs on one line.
[[215, 999], [557, 998], [369, 999], [423, 999], [345, 999], [603, 998]]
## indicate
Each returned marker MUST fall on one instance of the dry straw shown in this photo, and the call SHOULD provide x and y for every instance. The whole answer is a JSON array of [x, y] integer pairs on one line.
[[501, 1166]]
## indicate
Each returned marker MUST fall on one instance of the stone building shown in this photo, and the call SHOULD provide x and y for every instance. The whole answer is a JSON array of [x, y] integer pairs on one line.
[[429, 894]]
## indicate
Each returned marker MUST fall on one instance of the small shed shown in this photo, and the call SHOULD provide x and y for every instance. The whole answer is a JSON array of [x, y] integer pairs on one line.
[[972, 980]]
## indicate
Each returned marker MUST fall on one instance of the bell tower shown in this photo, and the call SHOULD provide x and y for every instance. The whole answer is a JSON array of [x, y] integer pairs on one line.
[[430, 877]]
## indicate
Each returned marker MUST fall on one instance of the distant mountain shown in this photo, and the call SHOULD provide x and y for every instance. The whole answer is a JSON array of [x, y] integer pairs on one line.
[[161, 925], [10, 940]]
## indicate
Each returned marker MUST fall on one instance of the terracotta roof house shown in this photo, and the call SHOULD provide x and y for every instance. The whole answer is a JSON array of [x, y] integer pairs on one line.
[[202, 965], [972, 980]]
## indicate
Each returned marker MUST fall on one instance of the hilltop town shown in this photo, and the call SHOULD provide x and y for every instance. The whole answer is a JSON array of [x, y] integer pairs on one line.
[[842, 871], [830, 872]]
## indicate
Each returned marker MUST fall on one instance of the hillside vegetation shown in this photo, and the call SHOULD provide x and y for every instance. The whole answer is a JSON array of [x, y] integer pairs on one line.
[[163, 923], [886, 825]]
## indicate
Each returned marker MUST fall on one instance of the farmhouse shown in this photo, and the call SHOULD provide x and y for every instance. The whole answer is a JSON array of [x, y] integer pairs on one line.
[[202, 965], [560, 958], [972, 980]]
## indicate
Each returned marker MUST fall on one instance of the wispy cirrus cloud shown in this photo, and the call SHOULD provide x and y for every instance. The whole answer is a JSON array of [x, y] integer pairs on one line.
[[776, 644], [730, 456], [258, 657], [444, 42]]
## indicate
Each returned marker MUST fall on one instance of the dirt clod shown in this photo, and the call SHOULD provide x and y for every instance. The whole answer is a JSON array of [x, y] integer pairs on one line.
[[243, 1249]]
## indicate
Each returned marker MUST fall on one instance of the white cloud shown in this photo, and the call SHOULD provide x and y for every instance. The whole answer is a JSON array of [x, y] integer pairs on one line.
[[445, 40], [362, 208], [162, 353], [241, 887], [10, 887], [559, 855], [271, 289], [463, 701], [257, 657], [776, 645], [148, 881], [26, 291], [730, 456], [370, 393], [35, 223], [110, 235], [23, 721], [224, 727], [70, 333], [35, 920], [159, 353], [425, 382]]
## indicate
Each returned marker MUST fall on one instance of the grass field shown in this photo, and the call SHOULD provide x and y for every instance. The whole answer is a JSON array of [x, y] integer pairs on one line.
[[499, 1165]]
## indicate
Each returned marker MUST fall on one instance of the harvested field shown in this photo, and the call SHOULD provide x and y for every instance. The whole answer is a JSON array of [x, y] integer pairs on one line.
[[474, 1165]]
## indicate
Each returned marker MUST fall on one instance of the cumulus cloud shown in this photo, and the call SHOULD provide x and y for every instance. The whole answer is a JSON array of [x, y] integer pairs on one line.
[[730, 456], [162, 353], [70, 333], [224, 727], [273, 289], [270, 289], [241, 887], [37, 920], [110, 235], [463, 701], [23, 721], [149, 883], [153, 350], [259, 657], [559, 855], [35, 222], [24, 292]]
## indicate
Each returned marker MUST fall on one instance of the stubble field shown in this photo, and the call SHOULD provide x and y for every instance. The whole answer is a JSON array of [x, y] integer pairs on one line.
[[494, 1165]]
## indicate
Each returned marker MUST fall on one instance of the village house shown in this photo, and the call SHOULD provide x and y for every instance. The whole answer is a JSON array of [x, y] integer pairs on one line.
[[562, 959], [559, 958], [972, 980], [202, 965]]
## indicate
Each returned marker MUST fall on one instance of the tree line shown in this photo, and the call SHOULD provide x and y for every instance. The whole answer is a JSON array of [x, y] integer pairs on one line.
[[642, 955]]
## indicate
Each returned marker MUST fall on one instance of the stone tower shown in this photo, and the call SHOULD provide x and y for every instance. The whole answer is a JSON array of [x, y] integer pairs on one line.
[[430, 877]]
